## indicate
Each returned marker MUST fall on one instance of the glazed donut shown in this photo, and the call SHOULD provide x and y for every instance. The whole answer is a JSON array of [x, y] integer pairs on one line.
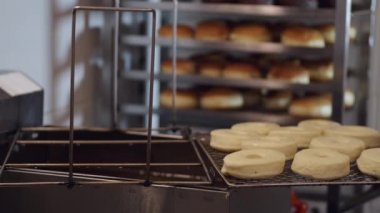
[[370, 137], [351, 147], [260, 128], [301, 136], [317, 124], [227, 140], [254, 164], [321, 164], [369, 162], [281, 144]]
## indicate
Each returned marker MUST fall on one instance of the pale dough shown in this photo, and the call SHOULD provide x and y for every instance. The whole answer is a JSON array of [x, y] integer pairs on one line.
[[369, 162], [254, 164], [321, 164], [261, 128], [300, 135], [281, 144], [352, 147], [318, 124], [227, 140], [370, 137]]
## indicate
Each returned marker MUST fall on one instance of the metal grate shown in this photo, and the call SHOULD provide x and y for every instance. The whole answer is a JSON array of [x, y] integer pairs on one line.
[[287, 178]]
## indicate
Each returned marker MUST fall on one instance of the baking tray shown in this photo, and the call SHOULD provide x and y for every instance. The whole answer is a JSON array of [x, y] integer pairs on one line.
[[287, 178]]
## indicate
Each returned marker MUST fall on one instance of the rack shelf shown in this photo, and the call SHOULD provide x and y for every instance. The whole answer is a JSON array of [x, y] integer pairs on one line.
[[265, 48], [212, 118], [238, 83], [242, 9]]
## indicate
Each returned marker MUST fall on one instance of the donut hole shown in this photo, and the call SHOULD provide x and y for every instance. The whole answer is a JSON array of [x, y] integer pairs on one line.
[[253, 156]]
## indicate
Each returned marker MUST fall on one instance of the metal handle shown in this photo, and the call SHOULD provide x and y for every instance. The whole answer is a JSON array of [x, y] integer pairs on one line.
[[72, 81]]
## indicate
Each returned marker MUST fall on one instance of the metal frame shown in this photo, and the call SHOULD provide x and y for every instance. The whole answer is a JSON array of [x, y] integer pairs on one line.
[[21, 167]]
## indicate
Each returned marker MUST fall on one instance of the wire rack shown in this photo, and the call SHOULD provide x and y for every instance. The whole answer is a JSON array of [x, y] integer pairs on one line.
[[287, 178]]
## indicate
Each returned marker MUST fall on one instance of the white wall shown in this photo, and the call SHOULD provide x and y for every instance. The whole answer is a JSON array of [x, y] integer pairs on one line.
[[36, 41]]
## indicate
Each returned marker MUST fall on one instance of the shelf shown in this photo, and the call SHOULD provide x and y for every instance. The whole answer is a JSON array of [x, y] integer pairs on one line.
[[244, 84], [242, 9], [212, 118], [264, 48]]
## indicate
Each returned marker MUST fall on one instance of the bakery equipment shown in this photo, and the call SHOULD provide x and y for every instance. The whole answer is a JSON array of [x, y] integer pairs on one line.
[[21, 102]]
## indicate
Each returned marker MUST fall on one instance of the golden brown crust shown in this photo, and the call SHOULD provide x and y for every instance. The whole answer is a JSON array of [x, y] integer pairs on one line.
[[289, 72], [329, 34], [320, 70], [251, 33], [184, 67], [302, 36], [313, 106], [212, 31], [185, 99], [241, 71], [222, 98], [183, 32], [211, 69]]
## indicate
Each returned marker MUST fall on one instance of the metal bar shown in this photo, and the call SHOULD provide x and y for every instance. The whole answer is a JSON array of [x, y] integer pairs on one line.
[[72, 81], [342, 42], [267, 48], [246, 83], [101, 142], [8, 155], [151, 87], [114, 81], [244, 9], [98, 164], [333, 198], [200, 159], [174, 62]]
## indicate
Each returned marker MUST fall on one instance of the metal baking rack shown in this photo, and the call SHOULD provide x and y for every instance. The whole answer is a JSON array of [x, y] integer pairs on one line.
[[74, 156], [287, 178]]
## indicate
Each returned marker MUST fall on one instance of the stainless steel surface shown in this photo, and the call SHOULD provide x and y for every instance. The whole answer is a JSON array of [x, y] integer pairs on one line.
[[267, 48], [72, 82], [242, 9], [113, 156], [287, 178], [117, 198], [8, 153], [342, 23], [241, 83]]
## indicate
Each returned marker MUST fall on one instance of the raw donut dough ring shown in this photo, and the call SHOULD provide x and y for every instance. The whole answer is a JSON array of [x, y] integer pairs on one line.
[[300, 135], [261, 128], [369, 162], [254, 164], [321, 164], [281, 144], [226, 140], [318, 124], [352, 147], [370, 137]]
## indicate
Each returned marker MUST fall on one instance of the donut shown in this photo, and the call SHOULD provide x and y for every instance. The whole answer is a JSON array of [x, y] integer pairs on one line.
[[317, 124], [183, 32], [321, 164], [261, 128], [281, 144], [222, 99], [303, 37], [301, 136], [369, 162], [254, 164], [351, 147], [250, 33], [211, 30], [370, 137], [226, 140]]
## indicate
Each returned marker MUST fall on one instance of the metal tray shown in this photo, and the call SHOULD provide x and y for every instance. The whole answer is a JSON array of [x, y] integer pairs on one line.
[[287, 178]]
